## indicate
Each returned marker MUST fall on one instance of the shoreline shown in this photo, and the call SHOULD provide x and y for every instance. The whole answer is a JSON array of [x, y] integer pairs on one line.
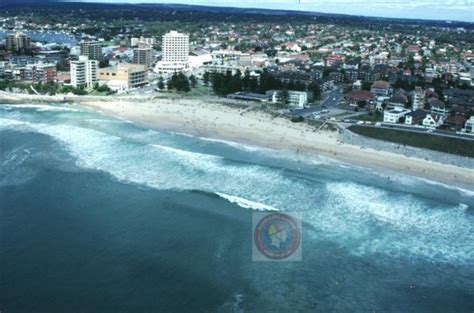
[[209, 119], [260, 129]]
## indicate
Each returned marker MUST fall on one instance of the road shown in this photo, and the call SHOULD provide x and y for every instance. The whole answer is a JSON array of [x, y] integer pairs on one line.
[[330, 102]]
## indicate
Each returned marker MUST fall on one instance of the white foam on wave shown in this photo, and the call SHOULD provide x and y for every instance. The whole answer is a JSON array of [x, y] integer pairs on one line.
[[240, 146], [206, 162], [40, 107], [246, 204], [161, 166], [8, 123], [366, 220], [408, 180], [373, 221], [466, 192]]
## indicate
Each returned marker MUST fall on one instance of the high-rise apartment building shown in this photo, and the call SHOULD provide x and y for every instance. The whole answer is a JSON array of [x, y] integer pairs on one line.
[[84, 72], [143, 56], [17, 42], [91, 49], [175, 49], [418, 99]]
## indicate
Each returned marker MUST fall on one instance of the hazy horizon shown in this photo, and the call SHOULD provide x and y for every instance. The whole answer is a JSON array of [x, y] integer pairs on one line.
[[458, 10]]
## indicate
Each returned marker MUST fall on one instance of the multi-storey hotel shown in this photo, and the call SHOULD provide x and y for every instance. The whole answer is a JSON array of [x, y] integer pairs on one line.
[[84, 72], [175, 47]]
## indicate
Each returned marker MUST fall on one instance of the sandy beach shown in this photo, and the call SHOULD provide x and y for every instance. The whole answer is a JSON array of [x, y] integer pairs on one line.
[[214, 120]]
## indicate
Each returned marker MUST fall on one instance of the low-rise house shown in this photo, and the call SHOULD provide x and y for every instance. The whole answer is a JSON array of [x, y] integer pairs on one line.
[[395, 115], [415, 117], [454, 123], [380, 88], [433, 121], [469, 126], [397, 101], [335, 60], [413, 49], [456, 92], [354, 97], [438, 108]]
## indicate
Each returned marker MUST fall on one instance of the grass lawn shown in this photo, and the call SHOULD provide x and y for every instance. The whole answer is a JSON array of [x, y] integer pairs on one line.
[[449, 145], [369, 117]]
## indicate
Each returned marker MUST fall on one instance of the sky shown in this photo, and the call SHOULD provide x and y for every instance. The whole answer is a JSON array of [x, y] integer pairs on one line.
[[459, 10]]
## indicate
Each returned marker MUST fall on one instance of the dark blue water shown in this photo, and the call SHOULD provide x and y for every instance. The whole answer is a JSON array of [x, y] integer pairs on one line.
[[99, 215]]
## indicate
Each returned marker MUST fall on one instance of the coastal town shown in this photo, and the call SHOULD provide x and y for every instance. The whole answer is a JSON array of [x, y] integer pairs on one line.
[[236, 156], [392, 77]]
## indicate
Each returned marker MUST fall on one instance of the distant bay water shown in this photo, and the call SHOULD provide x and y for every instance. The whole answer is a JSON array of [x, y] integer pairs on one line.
[[50, 37], [100, 215]]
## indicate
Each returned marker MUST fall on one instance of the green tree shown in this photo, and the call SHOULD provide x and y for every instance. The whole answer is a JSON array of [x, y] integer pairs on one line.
[[161, 83], [193, 81], [361, 103], [206, 77], [283, 98], [103, 63], [179, 82], [315, 90]]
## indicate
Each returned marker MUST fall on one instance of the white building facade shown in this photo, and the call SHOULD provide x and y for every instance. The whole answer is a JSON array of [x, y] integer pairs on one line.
[[175, 49], [469, 127], [433, 121], [394, 116], [84, 72], [297, 99]]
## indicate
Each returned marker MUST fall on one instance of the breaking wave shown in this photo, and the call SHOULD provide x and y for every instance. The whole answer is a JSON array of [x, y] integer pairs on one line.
[[365, 219]]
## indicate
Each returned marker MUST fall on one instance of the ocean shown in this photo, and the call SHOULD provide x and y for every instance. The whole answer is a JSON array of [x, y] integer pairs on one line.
[[100, 215]]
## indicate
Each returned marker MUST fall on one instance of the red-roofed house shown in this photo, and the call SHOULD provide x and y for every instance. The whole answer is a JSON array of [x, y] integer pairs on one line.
[[335, 59], [293, 46], [413, 49], [359, 95]]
